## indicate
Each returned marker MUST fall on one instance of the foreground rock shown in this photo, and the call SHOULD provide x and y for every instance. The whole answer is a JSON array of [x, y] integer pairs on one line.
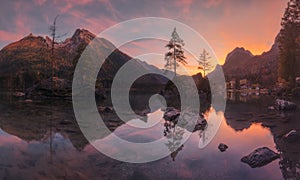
[[222, 147], [260, 157], [284, 105]]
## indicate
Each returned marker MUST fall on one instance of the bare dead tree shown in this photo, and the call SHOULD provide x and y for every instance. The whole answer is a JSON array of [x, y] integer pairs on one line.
[[54, 36]]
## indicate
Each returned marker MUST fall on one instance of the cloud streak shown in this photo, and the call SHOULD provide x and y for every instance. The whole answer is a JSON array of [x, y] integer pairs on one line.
[[252, 24]]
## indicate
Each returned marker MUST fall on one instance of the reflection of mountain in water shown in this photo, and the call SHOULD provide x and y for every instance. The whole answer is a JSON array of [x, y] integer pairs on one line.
[[240, 116], [38, 122]]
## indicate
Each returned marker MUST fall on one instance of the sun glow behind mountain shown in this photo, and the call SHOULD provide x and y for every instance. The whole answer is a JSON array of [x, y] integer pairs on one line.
[[224, 24]]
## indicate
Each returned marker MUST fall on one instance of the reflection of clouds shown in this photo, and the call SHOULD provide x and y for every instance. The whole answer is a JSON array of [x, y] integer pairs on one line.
[[6, 139], [29, 159], [138, 143], [152, 119], [214, 120]]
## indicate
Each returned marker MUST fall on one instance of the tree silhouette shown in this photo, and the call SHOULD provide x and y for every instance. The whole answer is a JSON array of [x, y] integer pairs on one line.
[[175, 53], [54, 36], [288, 44], [204, 62]]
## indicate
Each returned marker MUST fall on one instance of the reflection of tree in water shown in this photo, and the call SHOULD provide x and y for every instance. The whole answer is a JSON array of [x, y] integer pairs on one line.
[[175, 135], [175, 128], [290, 168], [242, 116], [174, 154], [290, 158]]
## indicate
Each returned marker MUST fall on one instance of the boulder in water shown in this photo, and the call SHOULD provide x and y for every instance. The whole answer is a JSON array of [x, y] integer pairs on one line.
[[260, 157], [222, 147]]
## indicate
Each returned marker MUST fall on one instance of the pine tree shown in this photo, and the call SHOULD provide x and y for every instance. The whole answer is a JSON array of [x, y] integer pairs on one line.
[[175, 53], [289, 44], [204, 62]]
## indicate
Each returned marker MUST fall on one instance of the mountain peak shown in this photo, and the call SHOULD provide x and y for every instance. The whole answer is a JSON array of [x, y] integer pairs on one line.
[[241, 63], [238, 54], [83, 34], [241, 50]]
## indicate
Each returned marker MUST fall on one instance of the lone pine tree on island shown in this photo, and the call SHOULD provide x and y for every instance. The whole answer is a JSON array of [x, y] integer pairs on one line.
[[175, 53]]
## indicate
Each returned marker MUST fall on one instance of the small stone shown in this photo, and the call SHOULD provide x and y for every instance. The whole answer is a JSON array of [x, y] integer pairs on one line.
[[222, 147]]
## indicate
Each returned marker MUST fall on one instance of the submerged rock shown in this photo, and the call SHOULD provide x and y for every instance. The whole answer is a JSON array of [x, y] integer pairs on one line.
[[260, 157], [281, 104], [222, 147]]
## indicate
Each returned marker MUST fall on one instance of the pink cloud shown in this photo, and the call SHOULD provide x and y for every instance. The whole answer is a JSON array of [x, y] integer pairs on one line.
[[212, 3], [40, 2], [9, 36], [185, 5], [110, 7], [67, 5], [93, 24]]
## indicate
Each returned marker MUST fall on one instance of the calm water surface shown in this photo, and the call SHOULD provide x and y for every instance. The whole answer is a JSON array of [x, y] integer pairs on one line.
[[42, 140]]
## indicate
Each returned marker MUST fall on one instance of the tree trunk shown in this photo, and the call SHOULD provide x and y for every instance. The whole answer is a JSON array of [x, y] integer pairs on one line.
[[174, 61]]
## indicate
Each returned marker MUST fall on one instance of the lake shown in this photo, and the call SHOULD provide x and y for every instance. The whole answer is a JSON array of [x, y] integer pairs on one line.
[[41, 139]]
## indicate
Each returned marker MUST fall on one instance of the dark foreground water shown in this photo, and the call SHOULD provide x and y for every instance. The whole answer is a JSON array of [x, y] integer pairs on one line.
[[41, 140]]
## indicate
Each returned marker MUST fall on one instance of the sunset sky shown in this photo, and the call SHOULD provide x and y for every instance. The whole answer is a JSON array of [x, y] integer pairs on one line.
[[225, 24]]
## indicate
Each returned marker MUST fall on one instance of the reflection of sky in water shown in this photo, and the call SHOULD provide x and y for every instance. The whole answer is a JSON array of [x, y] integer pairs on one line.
[[34, 158], [151, 120]]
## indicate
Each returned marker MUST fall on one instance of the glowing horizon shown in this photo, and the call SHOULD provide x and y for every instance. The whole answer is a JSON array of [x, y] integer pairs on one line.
[[224, 24]]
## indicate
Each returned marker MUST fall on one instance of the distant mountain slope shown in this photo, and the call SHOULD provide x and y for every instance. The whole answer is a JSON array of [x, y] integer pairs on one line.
[[240, 64], [25, 62]]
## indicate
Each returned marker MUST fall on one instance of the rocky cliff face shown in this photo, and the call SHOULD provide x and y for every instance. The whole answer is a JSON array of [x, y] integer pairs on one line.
[[262, 69], [29, 60]]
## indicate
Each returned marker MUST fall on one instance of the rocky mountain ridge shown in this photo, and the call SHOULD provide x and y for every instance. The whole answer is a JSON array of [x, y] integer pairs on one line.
[[262, 69], [26, 62]]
